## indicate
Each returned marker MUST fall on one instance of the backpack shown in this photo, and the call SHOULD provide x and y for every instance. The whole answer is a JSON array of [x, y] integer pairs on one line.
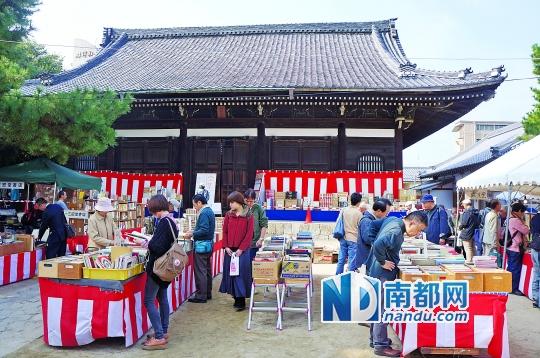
[[172, 263], [510, 238]]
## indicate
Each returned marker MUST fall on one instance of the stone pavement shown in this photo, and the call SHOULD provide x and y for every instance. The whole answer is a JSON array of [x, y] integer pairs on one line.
[[20, 315]]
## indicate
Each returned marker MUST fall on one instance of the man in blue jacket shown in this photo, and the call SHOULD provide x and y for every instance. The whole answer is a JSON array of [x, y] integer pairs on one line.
[[438, 229], [204, 232], [383, 265], [53, 219], [381, 208]]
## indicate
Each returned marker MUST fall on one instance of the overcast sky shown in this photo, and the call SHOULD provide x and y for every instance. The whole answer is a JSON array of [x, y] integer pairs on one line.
[[460, 33]]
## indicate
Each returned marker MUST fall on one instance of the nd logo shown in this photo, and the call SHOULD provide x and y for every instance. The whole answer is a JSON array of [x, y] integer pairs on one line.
[[351, 297]]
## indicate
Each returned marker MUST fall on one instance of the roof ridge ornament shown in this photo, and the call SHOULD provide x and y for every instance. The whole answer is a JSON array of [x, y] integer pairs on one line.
[[407, 69], [497, 71], [463, 73]]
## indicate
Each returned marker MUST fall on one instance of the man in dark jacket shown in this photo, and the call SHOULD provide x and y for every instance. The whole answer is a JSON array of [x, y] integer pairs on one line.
[[381, 208], [32, 219], [54, 220], [468, 224], [438, 229], [204, 231], [385, 253]]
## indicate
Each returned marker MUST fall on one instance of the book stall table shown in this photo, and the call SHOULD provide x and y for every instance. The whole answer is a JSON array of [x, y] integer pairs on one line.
[[487, 329], [77, 312], [316, 215], [80, 243], [527, 274], [20, 266]]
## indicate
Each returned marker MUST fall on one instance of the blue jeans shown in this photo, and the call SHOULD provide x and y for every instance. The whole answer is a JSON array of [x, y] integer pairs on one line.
[[536, 277], [347, 249], [378, 332], [159, 319], [515, 259]]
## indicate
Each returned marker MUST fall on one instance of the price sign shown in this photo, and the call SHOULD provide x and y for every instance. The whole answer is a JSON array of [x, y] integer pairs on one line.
[[11, 185]]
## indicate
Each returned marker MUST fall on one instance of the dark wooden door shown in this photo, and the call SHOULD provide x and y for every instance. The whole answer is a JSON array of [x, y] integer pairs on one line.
[[229, 158], [301, 154]]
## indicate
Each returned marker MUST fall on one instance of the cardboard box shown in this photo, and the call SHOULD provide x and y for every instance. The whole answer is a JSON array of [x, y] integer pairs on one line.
[[266, 270], [72, 270], [28, 241], [13, 248], [496, 280], [279, 195], [49, 268], [263, 281], [322, 256], [476, 279], [291, 203], [296, 269], [413, 276]]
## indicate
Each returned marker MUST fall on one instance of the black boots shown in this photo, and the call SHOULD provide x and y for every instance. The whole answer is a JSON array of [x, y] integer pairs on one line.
[[239, 303]]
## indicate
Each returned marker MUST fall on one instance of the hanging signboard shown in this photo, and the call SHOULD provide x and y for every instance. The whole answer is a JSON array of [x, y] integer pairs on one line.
[[479, 194], [11, 185], [206, 185]]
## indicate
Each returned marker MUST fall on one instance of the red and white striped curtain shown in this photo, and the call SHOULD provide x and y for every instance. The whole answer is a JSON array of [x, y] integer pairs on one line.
[[313, 183], [120, 183]]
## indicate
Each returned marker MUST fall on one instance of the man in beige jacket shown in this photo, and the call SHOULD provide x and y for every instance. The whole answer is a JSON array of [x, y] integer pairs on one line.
[[490, 238], [101, 229], [347, 244]]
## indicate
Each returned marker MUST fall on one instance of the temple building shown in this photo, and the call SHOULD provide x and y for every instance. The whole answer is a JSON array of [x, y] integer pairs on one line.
[[231, 100]]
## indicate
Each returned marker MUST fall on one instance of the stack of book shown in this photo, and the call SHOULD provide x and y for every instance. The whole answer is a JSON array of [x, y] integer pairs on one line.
[[267, 256], [485, 261]]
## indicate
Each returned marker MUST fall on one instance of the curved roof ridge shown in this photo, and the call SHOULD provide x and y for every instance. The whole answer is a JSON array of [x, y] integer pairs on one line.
[[387, 55], [333, 27], [102, 55]]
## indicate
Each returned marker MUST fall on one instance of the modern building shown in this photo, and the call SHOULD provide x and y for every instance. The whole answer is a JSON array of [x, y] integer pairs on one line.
[[231, 100], [470, 132], [441, 180]]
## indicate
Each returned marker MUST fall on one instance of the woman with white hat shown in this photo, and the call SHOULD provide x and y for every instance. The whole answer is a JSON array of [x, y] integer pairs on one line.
[[101, 228]]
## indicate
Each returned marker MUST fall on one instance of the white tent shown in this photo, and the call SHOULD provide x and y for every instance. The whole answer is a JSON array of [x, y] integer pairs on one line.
[[519, 168]]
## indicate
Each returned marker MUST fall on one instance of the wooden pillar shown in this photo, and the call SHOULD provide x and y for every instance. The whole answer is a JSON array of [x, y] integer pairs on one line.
[[398, 150], [182, 148], [342, 147], [261, 147]]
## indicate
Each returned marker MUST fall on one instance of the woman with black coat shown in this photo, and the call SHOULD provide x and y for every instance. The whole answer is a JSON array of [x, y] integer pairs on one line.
[[162, 240]]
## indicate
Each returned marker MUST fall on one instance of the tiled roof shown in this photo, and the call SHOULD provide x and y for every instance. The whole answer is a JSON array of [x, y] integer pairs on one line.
[[484, 151], [412, 174], [363, 56]]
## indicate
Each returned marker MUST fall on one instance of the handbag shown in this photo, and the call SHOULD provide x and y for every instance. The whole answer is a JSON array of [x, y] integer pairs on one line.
[[339, 229], [172, 263], [234, 267], [203, 246]]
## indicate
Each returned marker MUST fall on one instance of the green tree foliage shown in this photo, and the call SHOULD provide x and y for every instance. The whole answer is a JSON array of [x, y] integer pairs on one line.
[[57, 125], [531, 122]]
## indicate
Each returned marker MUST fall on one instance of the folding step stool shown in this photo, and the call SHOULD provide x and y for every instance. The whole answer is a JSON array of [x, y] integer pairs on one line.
[[265, 306], [297, 306]]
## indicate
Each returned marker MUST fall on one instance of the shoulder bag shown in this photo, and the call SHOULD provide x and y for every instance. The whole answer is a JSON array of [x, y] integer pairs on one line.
[[172, 263]]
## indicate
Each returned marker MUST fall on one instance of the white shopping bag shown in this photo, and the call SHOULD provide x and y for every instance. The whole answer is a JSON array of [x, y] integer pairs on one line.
[[234, 268]]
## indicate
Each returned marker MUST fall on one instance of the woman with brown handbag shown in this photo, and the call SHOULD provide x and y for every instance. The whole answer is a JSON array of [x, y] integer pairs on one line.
[[162, 240]]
